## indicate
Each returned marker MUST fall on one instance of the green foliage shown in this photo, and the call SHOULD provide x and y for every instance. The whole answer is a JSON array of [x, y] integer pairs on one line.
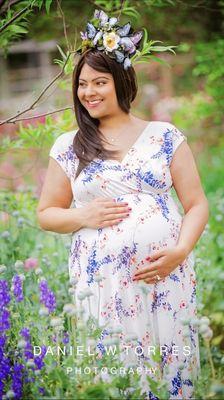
[[15, 21], [144, 55], [205, 108], [209, 65]]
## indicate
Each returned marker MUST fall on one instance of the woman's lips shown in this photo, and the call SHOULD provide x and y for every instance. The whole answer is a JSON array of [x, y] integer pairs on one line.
[[93, 105]]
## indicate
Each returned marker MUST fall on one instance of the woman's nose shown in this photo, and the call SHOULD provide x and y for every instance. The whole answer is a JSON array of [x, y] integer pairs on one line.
[[90, 90]]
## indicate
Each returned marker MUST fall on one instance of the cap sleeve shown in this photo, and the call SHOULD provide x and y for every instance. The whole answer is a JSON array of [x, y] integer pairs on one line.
[[176, 138], [62, 152]]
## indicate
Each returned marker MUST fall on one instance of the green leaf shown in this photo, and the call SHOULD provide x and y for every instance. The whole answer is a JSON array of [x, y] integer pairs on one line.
[[17, 29], [163, 48], [130, 11], [160, 60], [61, 52], [48, 5]]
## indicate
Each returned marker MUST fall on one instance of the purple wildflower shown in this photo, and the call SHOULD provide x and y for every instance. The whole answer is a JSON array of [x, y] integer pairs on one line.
[[47, 297], [42, 390], [39, 359], [17, 287], [4, 365], [4, 320], [65, 338], [4, 294], [28, 353], [17, 381]]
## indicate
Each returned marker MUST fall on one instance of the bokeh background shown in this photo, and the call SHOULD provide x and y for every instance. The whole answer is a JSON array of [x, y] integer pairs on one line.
[[37, 43]]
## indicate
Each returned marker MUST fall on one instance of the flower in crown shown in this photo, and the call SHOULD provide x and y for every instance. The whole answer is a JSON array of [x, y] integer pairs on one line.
[[104, 34]]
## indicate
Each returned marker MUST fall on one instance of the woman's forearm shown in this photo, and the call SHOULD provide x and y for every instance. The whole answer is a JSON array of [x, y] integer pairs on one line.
[[193, 225], [60, 220]]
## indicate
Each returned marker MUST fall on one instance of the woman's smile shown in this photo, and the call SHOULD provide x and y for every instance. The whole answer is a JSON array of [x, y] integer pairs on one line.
[[93, 103]]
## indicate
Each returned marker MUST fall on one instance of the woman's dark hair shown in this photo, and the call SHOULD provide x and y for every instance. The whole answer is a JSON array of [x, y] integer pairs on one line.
[[88, 141]]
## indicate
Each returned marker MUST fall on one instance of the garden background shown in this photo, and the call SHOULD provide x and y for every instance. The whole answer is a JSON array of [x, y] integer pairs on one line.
[[38, 39]]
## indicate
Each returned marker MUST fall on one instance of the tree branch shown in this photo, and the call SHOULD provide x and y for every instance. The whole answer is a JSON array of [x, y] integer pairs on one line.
[[31, 107], [42, 115], [16, 16], [64, 24], [6, 6]]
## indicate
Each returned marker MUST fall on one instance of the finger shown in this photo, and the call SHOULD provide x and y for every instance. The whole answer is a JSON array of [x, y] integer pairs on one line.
[[144, 276], [152, 268], [115, 210], [109, 217], [116, 205], [157, 255], [150, 281], [110, 223]]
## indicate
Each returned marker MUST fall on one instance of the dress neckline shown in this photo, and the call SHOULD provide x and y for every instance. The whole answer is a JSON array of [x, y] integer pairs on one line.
[[120, 162]]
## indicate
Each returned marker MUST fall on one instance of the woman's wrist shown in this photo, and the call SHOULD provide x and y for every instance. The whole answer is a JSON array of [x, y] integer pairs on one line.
[[80, 216], [183, 250]]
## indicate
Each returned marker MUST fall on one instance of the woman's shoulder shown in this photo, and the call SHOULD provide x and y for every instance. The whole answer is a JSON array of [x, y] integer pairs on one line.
[[161, 125], [66, 138], [167, 130]]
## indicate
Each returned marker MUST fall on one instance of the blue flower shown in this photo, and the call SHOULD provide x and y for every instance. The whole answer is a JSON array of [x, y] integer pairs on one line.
[[91, 30], [17, 288], [127, 63], [47, 297]]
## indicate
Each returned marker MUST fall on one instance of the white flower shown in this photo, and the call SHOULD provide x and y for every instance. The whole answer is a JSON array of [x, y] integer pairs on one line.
[[2, 268], [38, 271], [30, 364], [204, 321], [203, 329], [71, 290], [69, 309], [111, 41], [19, 264], [207, 335], [21, 344], [43, 311], [56, 321], [10, 394]]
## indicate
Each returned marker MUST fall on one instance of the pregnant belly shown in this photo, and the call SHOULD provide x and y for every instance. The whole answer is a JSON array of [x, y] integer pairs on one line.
[[153, 223]]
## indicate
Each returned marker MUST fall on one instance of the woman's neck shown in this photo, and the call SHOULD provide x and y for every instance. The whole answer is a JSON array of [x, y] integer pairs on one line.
[[115, 123]]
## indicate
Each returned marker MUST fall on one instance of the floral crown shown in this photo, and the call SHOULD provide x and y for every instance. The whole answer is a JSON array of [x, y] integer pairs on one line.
[[104, 33]]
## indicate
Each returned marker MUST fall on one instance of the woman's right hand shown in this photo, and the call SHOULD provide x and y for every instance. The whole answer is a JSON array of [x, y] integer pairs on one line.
[[102, 212]]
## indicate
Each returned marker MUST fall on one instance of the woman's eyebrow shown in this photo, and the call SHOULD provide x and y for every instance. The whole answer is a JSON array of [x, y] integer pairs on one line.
[[94, 78]]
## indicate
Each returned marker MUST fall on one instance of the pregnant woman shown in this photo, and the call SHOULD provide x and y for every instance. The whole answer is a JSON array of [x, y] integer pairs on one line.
[[131, 247]]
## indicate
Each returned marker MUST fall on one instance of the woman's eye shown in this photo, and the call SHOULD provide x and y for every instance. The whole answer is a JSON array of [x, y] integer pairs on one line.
[[98, 83]]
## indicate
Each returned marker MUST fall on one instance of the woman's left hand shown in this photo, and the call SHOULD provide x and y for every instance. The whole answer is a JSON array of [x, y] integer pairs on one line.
[[162, 263]]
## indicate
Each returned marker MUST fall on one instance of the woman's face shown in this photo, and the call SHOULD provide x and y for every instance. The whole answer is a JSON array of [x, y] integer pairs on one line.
[[96, 92]]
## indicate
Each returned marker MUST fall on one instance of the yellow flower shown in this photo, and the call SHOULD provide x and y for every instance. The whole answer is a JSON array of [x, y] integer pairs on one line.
[[110, 41]]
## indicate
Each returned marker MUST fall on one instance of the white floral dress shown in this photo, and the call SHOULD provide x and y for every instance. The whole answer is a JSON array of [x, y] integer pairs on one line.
[[152, 314]]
